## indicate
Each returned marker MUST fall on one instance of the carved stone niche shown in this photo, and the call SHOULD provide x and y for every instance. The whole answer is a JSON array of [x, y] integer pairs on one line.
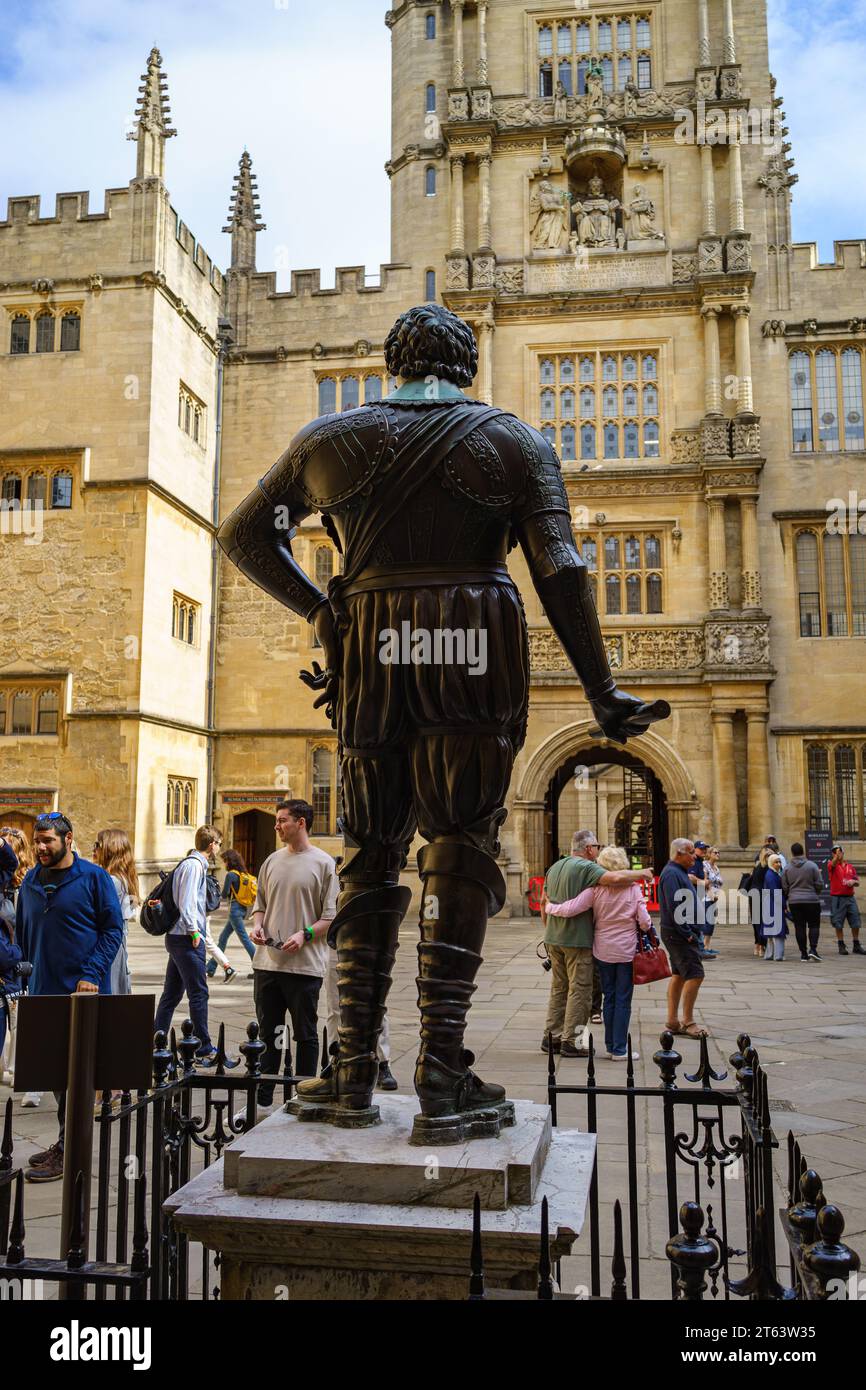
[[456, 273], [735, 644], [738, 253], [730, 82], [710, 255], [745, 435], [706, 84]]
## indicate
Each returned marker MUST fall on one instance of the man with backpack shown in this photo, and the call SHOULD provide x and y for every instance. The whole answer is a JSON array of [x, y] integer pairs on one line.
[[186, 898]]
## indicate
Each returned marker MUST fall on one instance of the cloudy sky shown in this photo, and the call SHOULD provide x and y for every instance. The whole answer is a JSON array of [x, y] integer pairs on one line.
[[305, 85]]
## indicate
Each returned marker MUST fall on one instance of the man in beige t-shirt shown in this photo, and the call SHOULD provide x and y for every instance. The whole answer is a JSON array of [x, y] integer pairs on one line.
[[295, 904]]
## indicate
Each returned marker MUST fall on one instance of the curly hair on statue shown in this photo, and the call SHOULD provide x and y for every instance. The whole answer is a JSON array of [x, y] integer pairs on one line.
[[430, 341]]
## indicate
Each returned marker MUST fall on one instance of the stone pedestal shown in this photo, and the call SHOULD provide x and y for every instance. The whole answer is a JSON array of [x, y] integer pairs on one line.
[[307, 1211]]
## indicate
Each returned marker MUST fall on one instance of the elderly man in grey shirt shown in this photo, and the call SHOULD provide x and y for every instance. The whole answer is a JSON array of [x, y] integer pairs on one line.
[[185, 972]]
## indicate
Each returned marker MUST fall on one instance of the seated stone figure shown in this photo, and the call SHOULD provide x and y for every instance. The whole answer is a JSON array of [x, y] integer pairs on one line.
[[424, 493]]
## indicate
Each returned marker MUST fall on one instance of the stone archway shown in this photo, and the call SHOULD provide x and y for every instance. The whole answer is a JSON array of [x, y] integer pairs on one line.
[[535, 777]]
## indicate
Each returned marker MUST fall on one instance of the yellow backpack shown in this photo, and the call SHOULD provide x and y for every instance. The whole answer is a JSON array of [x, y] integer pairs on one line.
[[246, 891]]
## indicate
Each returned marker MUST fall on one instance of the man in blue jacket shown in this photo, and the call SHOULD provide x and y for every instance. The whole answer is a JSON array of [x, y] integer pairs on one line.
[[70, 927]]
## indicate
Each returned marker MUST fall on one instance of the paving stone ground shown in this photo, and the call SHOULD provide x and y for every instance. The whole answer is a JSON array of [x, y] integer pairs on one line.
[[808, 1022]]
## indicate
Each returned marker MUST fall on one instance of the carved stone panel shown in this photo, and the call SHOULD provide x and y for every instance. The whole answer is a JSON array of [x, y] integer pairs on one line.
[[738, 644], [665, 649], [745, 437], [482, 103], [738, 254], [457, 273], [706, 84], [484, 272], [597, 272], [684, 268], [509, 279], [458, 105], [730, 82], [710, 255], [685, 446], [715, 437]]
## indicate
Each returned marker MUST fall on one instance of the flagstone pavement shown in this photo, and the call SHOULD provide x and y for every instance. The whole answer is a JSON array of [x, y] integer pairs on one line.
[[808, 1022]]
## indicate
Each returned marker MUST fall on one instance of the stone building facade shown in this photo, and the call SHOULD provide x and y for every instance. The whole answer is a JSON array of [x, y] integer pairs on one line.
[[603, 192]]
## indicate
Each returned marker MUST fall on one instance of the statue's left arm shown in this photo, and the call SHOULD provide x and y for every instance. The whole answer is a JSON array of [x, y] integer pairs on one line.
[[543, 527]]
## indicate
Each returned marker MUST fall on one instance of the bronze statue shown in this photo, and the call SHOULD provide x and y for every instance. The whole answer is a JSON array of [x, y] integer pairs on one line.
[[424, 493]]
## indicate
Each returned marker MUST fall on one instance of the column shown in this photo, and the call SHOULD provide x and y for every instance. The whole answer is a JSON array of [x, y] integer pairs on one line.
[[458, 228], [717, 553], [708, 188], [735, 164], [725, 781], [730, 43], [749, 545], [712, 367], [758, 776], [703, 34], [743, 359], [484, 233], [482, 43], [458, 72], [485, 330]]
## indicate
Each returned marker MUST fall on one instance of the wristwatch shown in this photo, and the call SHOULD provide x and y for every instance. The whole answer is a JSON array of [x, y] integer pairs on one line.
[[308, 934]]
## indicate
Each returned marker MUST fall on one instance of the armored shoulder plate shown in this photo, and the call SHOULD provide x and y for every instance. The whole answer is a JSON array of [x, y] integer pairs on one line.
[[485, 468], [336, 457], [543, 488]]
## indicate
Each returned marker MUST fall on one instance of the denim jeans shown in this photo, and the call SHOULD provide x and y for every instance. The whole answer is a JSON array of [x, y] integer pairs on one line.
[[185, 974], [618, 987], [235, 923]]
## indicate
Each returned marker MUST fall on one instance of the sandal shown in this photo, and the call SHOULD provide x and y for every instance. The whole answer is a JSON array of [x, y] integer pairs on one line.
[[674, 1028], [693, 1030]]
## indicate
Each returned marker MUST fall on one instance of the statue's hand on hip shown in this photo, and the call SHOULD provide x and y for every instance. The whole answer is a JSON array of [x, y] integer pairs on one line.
[[621, 716]]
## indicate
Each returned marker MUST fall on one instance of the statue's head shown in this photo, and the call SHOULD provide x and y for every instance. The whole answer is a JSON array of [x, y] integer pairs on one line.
[[430, 341], [596, 187]]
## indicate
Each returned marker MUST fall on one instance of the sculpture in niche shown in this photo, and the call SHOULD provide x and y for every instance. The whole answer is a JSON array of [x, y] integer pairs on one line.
[[431, 749], [549, 210], [595, 216], [630, 99], [595, 98], [641, 218], [560, 104]]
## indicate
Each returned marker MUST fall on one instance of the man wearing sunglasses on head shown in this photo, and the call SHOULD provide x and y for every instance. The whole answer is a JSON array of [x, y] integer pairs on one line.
[[69, 925]]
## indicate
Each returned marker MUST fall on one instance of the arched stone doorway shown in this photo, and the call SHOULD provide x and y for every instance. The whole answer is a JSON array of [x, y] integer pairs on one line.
[[571, 745], [612, 792]]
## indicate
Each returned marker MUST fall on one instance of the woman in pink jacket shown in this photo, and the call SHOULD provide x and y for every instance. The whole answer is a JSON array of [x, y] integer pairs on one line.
[[617, 913]]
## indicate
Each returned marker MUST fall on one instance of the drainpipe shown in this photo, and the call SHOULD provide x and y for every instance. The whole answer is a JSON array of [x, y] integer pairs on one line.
[[224, 339]]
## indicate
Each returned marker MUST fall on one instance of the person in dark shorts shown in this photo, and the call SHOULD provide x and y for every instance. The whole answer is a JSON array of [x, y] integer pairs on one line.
[[678, 921]]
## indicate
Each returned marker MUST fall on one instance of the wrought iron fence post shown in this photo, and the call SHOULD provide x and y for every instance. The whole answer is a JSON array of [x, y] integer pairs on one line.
[[667, 1059], [829, 1259], [691, 1254]]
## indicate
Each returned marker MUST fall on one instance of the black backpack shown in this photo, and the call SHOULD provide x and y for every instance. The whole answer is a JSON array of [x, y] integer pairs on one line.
[[160, 912]]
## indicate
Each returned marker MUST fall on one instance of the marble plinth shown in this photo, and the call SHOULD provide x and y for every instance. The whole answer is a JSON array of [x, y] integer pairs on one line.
[[305, 1211]]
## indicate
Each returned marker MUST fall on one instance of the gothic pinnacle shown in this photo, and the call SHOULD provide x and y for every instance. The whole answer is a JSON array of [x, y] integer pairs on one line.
[[244, 217], [152, 119]]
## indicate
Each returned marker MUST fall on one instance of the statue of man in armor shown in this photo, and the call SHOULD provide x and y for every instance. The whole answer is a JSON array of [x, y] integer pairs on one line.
[[424, 493]]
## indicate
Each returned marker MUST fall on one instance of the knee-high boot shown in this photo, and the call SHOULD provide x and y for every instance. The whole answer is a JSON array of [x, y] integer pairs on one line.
[[364, 932], [462, 887]]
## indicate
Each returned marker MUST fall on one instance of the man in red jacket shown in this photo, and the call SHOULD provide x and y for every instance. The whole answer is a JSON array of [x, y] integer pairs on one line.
[[843, 904]]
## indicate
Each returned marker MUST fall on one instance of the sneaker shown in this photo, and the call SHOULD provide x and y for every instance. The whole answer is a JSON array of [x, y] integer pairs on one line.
[[813, 955], [31, 1100], [545, 1044], [265, 1097], [596, 1017], [804, 958], [229, 974], [623, 1056], [568, 1049], [252, 975], [210, 972], [387, 1080], [49, 1171], [707, 955], [37, 1160], [842, 948], [206, 1059], [857, 949]]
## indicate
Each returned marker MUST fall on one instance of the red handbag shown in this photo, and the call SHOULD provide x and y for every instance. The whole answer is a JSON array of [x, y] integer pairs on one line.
[[650, 961]]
